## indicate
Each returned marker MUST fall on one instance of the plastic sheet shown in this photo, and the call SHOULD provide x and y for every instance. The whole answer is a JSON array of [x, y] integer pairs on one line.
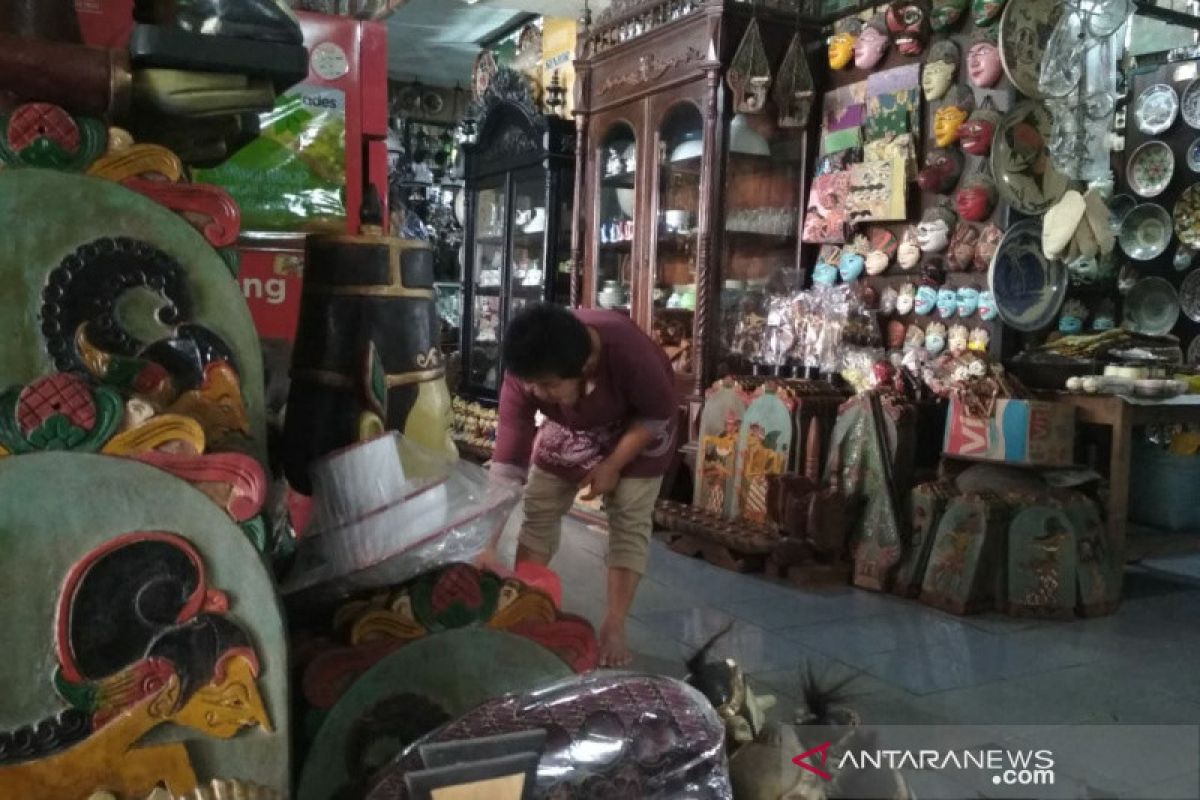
[[387, 510], [609, 734]]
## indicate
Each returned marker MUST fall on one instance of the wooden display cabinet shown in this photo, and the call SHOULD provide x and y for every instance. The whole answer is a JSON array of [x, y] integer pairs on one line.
[[519, 190], [686, 211]]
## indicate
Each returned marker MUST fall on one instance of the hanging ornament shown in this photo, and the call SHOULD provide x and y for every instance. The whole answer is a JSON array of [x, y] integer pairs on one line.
[[749, 75], [794, 88]]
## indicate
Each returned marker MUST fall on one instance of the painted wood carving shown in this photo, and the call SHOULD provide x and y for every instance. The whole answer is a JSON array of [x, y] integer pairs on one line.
[[128, 292], [143, 637], [1042, 558], [45, 135], [965, 573], [368, 329], [764, 444], [1098, 567], [716, 461], [454, 596], [412, 691], [928, 504], [136, 161], [210, 209], [794, 88], [749, 74]]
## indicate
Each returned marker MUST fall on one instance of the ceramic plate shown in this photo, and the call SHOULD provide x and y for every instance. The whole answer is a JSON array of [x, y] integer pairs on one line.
[[1189, 296], [1152, 307], [1025, 28], [1189, 104], [1150, 169], [1024, 173], [1187, 216], [1155, 109], [1146, 232], [1193, 156], [1028, 289]]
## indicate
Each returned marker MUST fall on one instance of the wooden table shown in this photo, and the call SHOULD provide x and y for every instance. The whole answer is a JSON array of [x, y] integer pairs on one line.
[[1122, 415]]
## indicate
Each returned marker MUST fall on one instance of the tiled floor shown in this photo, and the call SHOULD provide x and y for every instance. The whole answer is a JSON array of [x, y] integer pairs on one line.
[[915, 665]]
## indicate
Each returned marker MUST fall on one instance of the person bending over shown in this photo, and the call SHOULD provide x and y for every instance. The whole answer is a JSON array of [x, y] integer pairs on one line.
[[607, 393]]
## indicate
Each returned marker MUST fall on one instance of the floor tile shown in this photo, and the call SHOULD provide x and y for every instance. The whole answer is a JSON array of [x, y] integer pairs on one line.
[[653, 596], [966, 662], [692, 626], [912, 627], [1184, 787]]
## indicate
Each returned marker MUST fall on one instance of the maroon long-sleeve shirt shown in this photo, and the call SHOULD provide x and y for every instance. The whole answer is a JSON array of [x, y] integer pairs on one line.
[[632, 382]]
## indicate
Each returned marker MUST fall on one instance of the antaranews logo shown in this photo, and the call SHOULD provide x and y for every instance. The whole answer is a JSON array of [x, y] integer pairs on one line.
[[1006, 767]]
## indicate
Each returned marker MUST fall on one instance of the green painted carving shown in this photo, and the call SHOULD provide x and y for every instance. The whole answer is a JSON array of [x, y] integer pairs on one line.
[[67, 211], [42, 538], [58, 412]]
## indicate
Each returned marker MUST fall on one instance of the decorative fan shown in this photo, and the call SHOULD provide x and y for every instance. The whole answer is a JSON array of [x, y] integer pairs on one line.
[[749, 75]]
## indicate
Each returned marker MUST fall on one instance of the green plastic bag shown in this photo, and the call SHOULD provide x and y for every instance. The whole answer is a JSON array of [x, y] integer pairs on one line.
[[293, 176]]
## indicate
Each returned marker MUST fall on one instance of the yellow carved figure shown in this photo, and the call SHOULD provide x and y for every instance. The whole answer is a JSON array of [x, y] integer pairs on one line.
[[111, 759], [759, 462]]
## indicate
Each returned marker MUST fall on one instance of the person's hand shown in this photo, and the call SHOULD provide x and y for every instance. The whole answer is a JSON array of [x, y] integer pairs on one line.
[[601, 480]]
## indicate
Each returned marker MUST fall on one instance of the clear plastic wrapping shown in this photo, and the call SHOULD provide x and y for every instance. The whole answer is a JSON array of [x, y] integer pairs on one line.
[[609, 734], [388, 510]]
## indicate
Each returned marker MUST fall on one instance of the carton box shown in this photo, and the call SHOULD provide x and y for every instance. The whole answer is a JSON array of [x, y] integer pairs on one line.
[[1029, 432]]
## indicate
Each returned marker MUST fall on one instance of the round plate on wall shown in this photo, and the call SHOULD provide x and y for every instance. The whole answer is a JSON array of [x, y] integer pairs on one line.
[[1021, 165], [1028, 288], [1025, 29]]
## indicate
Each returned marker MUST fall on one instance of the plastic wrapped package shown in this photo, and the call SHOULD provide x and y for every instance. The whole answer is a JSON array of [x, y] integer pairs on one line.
[[387, 510], [780, 335], [609, 734]]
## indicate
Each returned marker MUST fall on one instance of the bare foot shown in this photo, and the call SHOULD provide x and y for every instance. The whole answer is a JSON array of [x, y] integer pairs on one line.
[[613, 651]]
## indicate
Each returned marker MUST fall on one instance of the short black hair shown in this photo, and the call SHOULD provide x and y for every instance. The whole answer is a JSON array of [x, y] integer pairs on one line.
[[546, 340]]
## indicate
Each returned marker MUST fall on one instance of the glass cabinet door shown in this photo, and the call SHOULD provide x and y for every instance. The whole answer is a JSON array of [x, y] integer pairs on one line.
[[615, 211], [676, 235], [487, 275], [528, 250], [762, 212]]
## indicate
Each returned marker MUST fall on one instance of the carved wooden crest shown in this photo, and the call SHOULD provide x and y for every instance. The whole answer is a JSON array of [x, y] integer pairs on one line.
[[749, 75]]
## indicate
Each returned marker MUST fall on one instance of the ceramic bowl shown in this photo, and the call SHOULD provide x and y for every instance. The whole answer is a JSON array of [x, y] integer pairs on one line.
[[1156, 109], [1150, 169], [1189, 295], [1189, 104], [1152, 307], [1187, 216], [1146, 232], [1160, 388], [1028, 288], [1193, 154]]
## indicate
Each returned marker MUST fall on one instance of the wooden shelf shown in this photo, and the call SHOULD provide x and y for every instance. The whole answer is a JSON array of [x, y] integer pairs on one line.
[[623, 181], [616, 247]]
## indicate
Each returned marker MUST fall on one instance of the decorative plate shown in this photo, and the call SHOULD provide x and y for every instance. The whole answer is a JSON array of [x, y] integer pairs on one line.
[[1150, 169], [1193, 354], [1146, 232], [1156, 109], [1189, 104], [1028, 289], [1189, 296], [1193, 156], [1024, 173], [1025, 29], [1152, 307], [1187, 216]]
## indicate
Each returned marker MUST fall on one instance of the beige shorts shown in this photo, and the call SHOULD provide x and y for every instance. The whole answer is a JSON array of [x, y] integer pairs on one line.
[[630, 509]]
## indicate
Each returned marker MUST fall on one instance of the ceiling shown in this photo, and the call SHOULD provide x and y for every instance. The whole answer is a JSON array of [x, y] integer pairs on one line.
[[437, 40]]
